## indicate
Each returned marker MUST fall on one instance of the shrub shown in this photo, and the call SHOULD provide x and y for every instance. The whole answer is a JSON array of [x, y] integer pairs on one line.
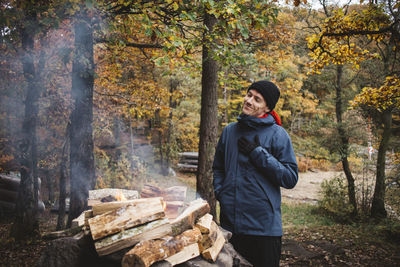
[[335, 199], [303, 163]]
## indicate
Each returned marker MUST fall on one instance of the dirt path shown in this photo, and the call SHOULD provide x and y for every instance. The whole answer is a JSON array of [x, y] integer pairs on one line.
[[308, 186]]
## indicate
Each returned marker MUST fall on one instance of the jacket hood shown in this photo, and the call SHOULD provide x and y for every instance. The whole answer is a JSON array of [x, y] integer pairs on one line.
[[254, 122]]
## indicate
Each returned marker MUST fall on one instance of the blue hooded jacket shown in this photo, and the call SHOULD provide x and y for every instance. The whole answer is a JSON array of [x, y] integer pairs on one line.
[[248, 186]]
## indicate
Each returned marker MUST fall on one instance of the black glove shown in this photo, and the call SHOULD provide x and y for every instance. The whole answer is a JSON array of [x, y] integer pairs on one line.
[[246, 146]]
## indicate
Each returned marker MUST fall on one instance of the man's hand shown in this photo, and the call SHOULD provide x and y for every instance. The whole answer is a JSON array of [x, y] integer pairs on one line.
[[246, 146]]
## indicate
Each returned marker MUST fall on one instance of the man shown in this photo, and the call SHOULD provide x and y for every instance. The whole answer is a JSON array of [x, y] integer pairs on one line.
[[253, 159]]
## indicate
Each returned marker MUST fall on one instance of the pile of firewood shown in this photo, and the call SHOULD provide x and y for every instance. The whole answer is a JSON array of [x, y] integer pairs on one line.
[[142, 225], [9, 185]]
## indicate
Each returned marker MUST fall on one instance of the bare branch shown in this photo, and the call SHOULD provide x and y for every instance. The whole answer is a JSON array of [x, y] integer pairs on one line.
[[129, 44]]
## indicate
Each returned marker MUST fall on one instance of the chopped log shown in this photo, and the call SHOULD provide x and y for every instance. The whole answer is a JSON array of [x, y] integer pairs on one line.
[[175, 204], [189, 161], [132, 236], [204, 223], [172, 209], [8, 195], [189, 155], [83, 219], [150, 191], [88, 215], [173, 196], [209, 239], [187, 166], [9, 183], [211, 253], [62, 233], [78, 221], [7, 206], [148, 252], [126, 217], [104, 192], [101, 208], [174, 193], [188, 252], [186, 220]]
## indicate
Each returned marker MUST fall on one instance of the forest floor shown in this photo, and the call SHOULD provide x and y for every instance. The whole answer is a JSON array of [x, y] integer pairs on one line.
[[311, 238]]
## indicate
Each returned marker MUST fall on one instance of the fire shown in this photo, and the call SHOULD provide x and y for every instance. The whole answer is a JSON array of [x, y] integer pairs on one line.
[[120, 197]]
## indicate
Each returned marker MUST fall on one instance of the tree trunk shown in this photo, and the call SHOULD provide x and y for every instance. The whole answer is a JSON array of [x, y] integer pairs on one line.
[[117, 140], [50, 185], [63, 182], [378, 202], [26, 222], [344, 150], [82, 173], [172, 104], [209, 117]]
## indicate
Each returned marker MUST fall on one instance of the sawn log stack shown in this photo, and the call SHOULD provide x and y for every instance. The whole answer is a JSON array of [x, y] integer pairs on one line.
[[142, 225]]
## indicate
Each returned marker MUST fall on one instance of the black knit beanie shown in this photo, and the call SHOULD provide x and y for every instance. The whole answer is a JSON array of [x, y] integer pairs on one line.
[[268, 90]]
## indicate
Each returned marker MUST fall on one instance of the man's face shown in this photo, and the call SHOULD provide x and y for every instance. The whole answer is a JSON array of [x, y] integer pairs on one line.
[[254, 104]]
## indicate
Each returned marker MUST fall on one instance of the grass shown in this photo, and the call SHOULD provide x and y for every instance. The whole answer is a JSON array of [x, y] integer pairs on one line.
[[298, 215], [313, 223]]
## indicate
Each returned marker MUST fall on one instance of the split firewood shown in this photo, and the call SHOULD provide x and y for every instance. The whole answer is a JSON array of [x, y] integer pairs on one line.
[[88, 215], [9, 183], [8, 195], [126, 217], [209, 239], [150, 191], [174, 193], [211, 253], [101, 208], [188, 252], [172, 209], [204, 223], [116, 192], [83, 219], [132, 236], [62, 233], [186, 220], [148, 252]]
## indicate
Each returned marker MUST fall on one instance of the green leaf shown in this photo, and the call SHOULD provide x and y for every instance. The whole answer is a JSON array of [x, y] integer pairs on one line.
[[89, 3]]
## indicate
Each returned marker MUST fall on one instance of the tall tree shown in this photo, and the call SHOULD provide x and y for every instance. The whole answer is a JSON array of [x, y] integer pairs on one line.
[[26, 222], [344, 138], [377, 22], [209, 114], [338, 60], [82, 170], [385, 101], [180, 26]]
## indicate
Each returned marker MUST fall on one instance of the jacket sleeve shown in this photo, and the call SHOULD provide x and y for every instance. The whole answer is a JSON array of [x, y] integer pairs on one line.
[[219, 166], [279, 165]]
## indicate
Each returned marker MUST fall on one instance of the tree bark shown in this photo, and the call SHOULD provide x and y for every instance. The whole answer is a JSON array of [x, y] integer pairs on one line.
[[172, 104], [82, 172], [63, 182], [378, 202], [209, 117], [344, 150], [26, 222]]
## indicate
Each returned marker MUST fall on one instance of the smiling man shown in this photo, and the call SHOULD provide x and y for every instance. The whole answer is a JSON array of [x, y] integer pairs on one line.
[[253, 159]]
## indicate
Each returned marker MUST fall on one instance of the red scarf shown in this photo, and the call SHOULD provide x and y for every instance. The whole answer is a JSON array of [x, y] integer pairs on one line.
[[275, 116]]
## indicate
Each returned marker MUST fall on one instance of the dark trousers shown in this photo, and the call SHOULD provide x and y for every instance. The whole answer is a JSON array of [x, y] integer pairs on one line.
[[261, 251]]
